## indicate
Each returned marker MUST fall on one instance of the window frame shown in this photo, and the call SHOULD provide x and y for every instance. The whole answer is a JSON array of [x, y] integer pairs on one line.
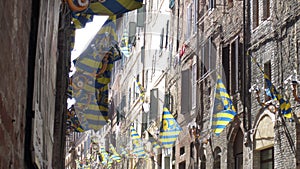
[[265, 161]]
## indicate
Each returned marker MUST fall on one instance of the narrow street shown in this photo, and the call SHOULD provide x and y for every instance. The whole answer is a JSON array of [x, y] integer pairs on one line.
[[150, 84]]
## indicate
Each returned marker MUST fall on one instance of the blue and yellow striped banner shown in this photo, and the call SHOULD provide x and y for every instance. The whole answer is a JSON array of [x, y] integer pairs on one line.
[[92, 76], [114, 155], [113, 7], [81, 16], [223, 110], [138, 148], [141, 89], [104, 155], [284, 105], [155, 145], [169, 130]]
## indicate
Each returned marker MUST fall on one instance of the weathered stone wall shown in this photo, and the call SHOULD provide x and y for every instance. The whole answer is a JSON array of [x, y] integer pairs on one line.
[[15, 28], [276, 39], [28, 88]]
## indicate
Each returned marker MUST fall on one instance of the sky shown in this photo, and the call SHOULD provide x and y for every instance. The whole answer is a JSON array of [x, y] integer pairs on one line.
[[85, 35]]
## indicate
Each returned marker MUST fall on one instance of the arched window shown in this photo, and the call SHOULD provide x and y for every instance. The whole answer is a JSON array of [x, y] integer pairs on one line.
[[264, 141], [238, 150], [217, 158]]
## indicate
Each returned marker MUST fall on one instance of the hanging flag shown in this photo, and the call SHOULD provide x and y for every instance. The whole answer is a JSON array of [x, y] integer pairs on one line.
[[83, 13], [73, 121], [114, 155], [155, 145], [104, 155], [124, 46], [79, 20], [141, 89], [93, 72], [223, 110], [284, 105], [138, 148], [169, 129], [109, 163], [124, 151]]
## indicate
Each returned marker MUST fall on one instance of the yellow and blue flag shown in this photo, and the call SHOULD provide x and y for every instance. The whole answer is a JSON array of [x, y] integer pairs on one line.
[[138, 148], [155, 145], [284, 105], [223, 110], [93, 72], [141, 89], [124, 46], [124, 151], [169, 129], [114, 155], [104, 155], [82, 15]]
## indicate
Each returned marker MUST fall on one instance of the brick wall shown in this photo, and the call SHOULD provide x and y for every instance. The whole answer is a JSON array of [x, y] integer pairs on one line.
[[276, 40]]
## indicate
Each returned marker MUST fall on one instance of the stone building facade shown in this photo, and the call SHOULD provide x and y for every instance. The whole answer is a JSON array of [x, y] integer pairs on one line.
[[210, 43], [274, 43], [34, 62], [207, 38]]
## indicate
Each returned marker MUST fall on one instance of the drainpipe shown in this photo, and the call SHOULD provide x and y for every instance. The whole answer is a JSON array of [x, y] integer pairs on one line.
[[247, 114]]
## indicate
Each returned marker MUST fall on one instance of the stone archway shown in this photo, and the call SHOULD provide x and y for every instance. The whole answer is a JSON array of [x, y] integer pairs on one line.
[[263, 140], [264, 131]]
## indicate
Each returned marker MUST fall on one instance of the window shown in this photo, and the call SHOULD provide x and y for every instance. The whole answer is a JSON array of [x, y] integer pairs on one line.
[[267, 158], [186, 87], [182, 150], [153, 105], [192, 155], [167, 34], [133, 91], [255, 14], [231, 55], [217, 158], [203, 162], [266, 9], [230, 3], [173, 153], [167, 162], [212, 4], [194, 84], [169, 101], [182, 165], [208, 58], [189, 21], [129, 98], [132, 33], [234, 66], [238, 150], [161, 45], [195, 20], [137, 90], [144, 121]]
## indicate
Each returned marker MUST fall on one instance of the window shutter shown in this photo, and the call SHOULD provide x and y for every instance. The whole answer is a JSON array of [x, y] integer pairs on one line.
[[185, 91], [161, 45], [132, 32], [225, 65], [153, 104], [141, 16]]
